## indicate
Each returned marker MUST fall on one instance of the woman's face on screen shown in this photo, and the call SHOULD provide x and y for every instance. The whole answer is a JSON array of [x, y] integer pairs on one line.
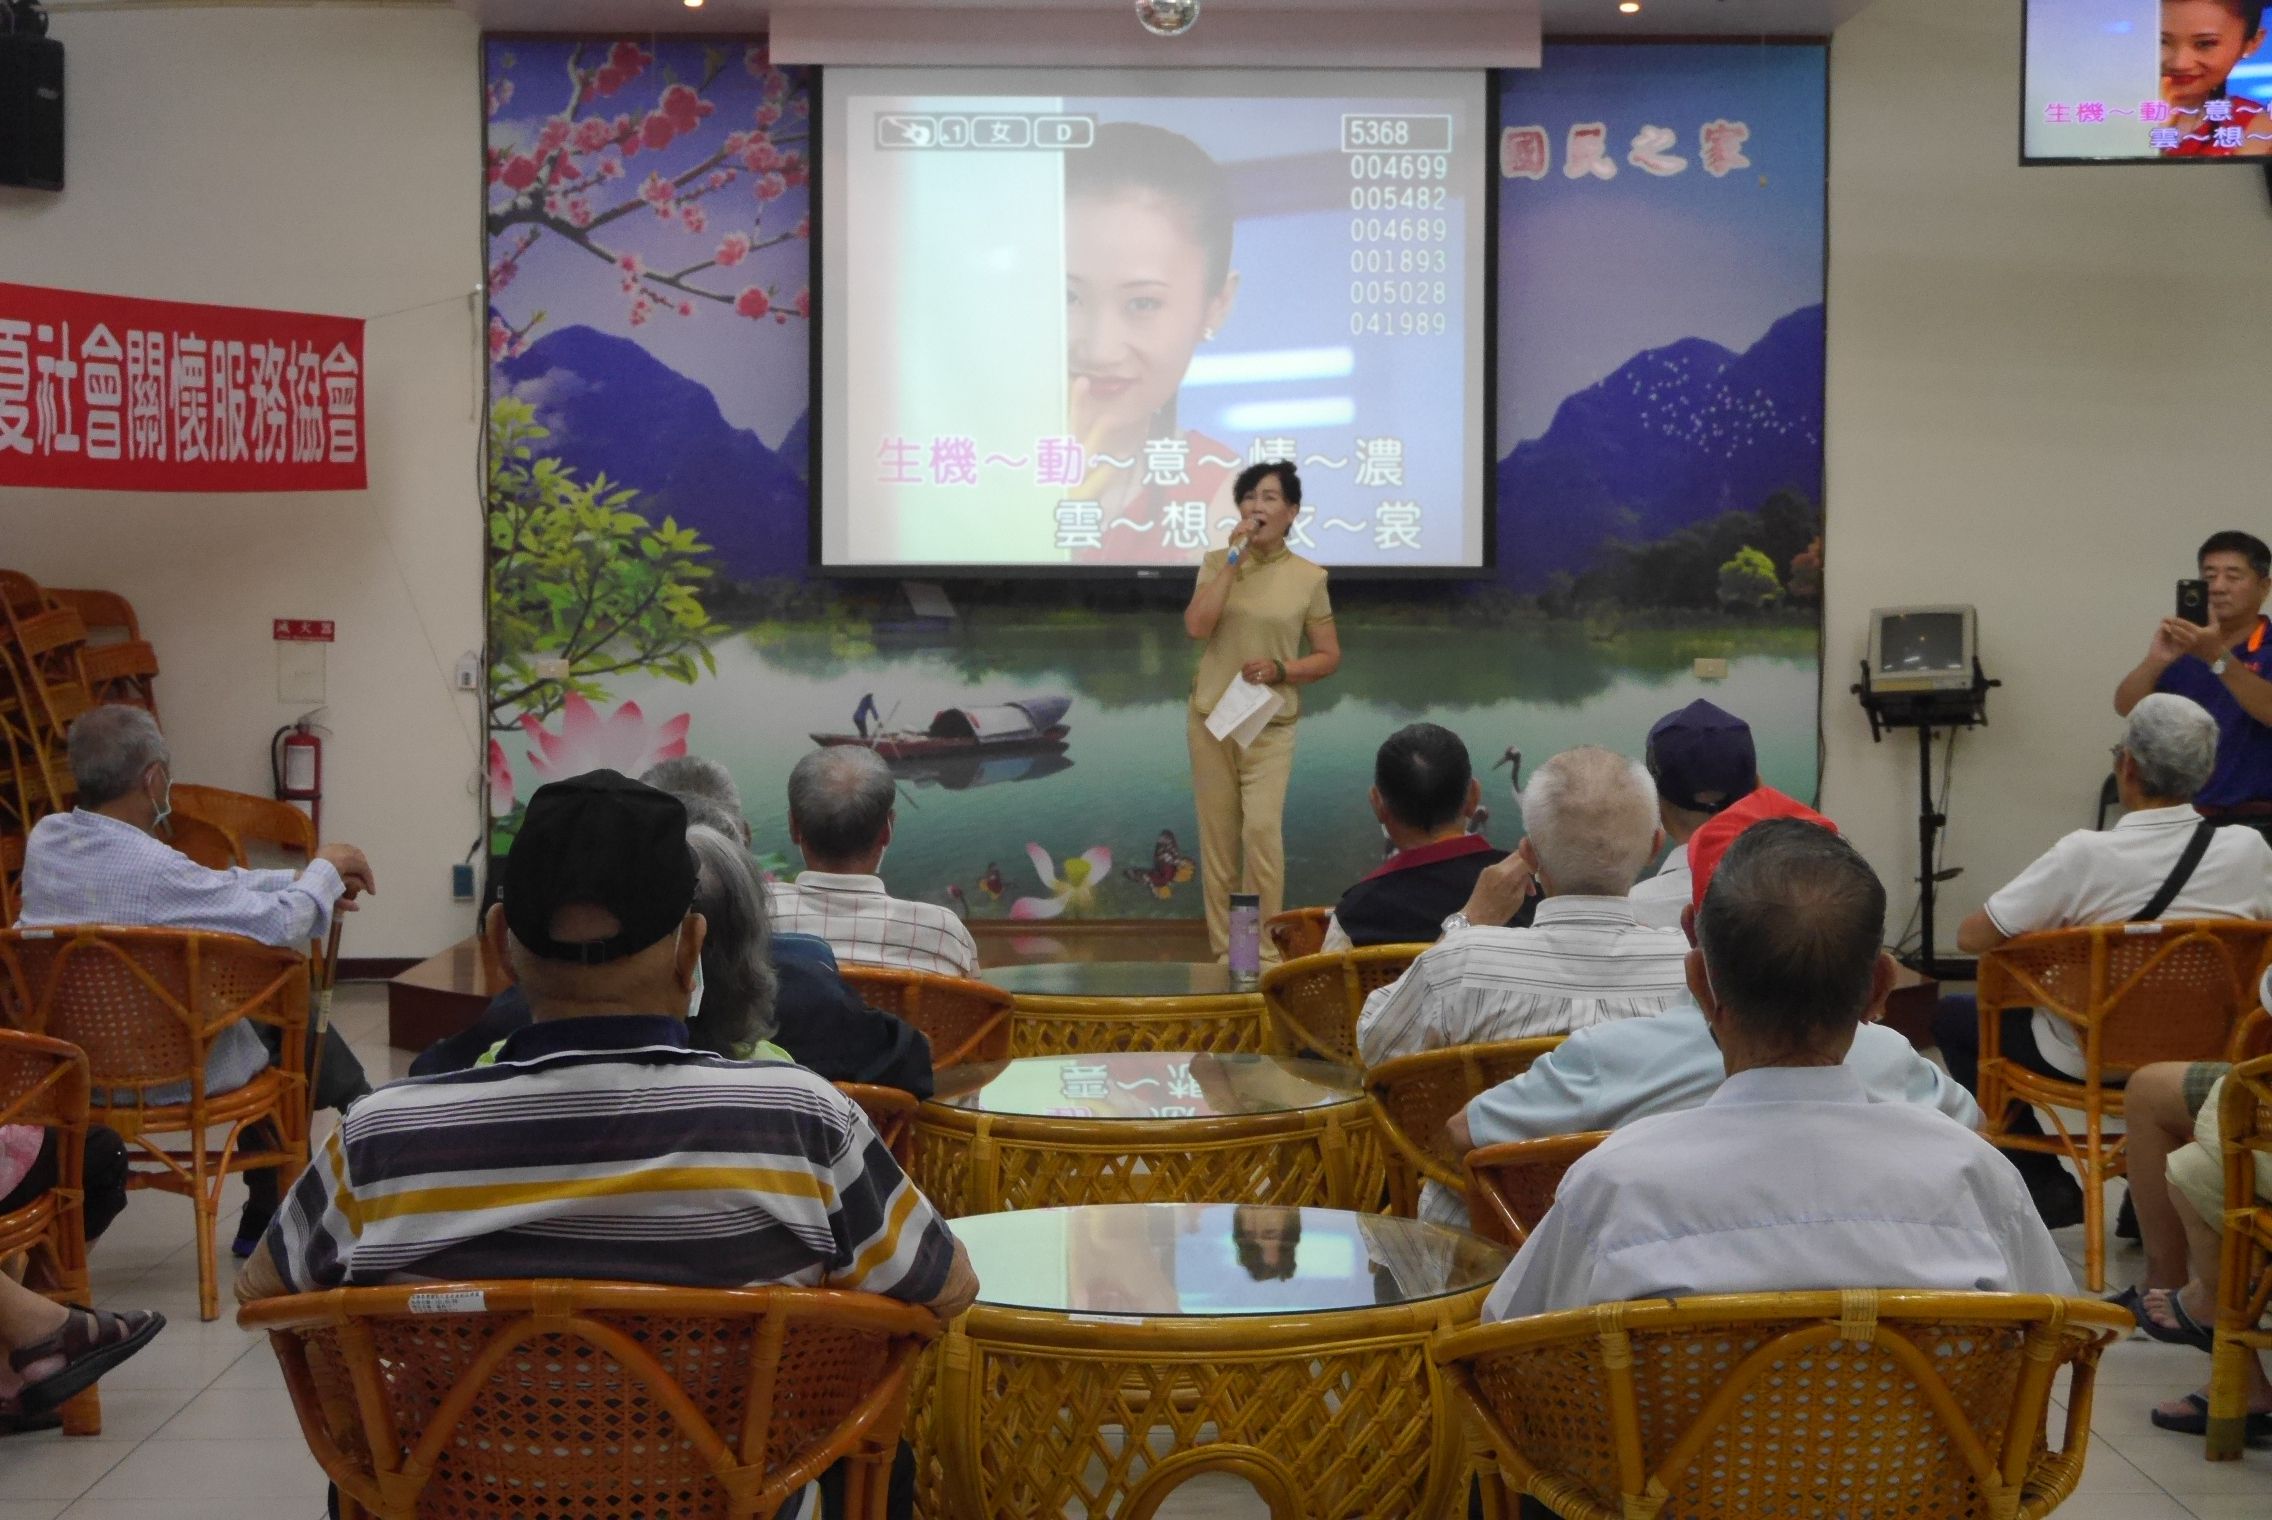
[[2201, 42], [1136, 307]]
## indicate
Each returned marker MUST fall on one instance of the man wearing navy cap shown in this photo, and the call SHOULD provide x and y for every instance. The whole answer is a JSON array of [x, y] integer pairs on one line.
[[1702, 759]]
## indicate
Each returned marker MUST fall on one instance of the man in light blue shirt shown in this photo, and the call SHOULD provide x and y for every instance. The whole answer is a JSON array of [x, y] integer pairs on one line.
[[1788, 1177], [102, 863]]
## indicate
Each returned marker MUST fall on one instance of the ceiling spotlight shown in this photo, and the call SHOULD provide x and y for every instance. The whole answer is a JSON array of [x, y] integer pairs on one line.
[[1630, 7], [1167, 18], [694, 5]]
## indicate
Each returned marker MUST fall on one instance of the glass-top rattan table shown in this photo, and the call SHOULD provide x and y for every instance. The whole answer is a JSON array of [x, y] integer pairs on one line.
[[1118, 1350], [1128, 1127], [1129, 1005]]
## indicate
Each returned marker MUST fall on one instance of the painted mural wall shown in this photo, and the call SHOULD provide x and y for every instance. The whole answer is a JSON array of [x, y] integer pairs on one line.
[[1660, 400]]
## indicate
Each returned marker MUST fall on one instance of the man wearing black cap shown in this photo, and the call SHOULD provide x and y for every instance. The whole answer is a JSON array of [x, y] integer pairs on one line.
[[548, 1162], [1702, 759]]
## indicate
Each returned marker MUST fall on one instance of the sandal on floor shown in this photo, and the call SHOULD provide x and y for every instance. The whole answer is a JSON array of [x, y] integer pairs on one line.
[[2195, 1421], [2187, 1332], [91, 1342]]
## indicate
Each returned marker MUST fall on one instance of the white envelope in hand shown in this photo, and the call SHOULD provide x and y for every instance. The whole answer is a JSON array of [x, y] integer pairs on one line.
[[1243, 711]]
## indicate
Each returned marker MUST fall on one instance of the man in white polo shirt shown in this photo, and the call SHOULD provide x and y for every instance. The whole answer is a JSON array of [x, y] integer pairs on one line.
[[1590, 818], [2160, 860]]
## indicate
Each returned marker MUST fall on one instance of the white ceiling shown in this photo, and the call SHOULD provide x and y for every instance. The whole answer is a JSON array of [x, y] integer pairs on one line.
[[1739, 18]]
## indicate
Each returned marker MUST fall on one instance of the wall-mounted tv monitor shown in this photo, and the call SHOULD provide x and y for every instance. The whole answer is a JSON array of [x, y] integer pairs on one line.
[[1063, 309], [2146, 81], [1921, 648]]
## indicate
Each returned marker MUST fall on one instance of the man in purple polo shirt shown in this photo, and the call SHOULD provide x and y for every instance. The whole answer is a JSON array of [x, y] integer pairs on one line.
[[2226, 666], [1424, 794]]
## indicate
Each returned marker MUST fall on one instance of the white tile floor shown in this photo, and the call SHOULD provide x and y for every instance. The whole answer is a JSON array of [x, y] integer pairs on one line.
[[198, 1426]]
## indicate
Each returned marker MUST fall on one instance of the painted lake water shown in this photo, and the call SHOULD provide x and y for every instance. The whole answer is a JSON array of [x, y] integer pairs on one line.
[[1534, 685]]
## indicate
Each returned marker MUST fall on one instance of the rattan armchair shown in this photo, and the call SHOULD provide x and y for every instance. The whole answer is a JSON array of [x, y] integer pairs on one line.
[[964, 1020], [44, 1082], [555, 1398], [1413, 1097], [1510, 1186], [1297, 931], [2244, 1277], [1864, 1402], [1314, 1001], [891, 1114], [2136, 993], [246, 820], [146, 1005], [11, 877]]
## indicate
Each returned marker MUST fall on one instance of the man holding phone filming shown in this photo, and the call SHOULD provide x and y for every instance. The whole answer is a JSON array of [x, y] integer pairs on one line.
[[2215, 651]]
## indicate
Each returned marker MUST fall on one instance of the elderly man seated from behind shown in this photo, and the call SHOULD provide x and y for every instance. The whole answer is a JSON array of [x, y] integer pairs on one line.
[[841, 814], [1789, 1177], [1591, 818], [2160, 860], [1607, 1076], [1702, 760], [1424, 794], [103, 863], [605, 1088]]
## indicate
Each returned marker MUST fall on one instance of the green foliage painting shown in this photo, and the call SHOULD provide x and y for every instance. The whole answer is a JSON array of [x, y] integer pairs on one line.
[[580, 587]]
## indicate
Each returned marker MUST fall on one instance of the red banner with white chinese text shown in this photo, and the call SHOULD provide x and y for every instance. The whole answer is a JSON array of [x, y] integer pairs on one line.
[[117, 393]]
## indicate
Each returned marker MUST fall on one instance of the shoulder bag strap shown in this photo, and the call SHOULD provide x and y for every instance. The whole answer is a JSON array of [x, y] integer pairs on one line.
[[2195, 848]]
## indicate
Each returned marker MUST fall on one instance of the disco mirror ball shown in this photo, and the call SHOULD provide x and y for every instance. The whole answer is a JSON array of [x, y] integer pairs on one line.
[[1167, 18]]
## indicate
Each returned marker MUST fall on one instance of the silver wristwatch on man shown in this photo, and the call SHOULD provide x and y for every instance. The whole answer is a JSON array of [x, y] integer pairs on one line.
[[1456, 921]]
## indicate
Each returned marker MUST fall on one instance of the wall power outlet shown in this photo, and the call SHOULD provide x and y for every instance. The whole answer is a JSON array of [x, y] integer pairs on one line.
[[461, 883]]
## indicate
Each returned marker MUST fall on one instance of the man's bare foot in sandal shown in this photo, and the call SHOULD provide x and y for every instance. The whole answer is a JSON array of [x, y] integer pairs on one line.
[[58, 1350]]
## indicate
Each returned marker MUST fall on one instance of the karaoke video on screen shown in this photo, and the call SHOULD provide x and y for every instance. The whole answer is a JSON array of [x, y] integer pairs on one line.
[[1061, 323], [2179, 80]]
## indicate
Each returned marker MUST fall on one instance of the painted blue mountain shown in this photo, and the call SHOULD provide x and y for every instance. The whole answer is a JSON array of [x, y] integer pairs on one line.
[[614, 408], [1676, 436]]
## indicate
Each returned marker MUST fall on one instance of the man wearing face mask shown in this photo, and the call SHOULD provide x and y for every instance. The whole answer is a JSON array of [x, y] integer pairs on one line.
[[1255, 603], [104, 863]]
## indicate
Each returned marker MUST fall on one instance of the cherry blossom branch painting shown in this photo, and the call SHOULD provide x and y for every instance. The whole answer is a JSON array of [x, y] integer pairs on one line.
[[636, 145]]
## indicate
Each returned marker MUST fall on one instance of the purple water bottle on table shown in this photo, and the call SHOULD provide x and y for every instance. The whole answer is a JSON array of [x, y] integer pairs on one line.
[[1246, 937]]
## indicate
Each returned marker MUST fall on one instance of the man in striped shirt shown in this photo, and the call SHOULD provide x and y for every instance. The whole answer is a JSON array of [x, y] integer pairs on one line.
[[1590, 821], [598, 1144]]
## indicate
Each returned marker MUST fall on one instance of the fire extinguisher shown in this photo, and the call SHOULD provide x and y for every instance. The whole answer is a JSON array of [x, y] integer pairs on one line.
[[295, 759]]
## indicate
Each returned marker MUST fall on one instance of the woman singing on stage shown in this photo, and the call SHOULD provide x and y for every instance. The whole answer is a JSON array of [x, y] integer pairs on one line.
[[1254, 604]]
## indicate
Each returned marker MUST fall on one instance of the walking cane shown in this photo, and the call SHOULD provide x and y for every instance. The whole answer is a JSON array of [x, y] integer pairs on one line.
[[326, 976]]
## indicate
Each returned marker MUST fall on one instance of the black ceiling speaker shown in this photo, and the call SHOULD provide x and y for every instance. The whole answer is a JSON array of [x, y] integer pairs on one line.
[[31, 99]]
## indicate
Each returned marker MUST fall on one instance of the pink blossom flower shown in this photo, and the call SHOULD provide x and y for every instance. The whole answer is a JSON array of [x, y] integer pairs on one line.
[[793, 168], [1075, 891], [657, 131], [593, 133], [772, 187], [501, 794], [768, 114], [552, 134], [718, 179], [499, 94], [519, 172], [684, 108], [579, 211], [753, 302], [759, 154], [626, 61], [686, 308], [735, 142], [622, 741], [776, 84], [502, 272], [500, 339], [611, 168], [656, 190], [692, 218], [755, 61], [630, 263], [564, 168], [641, 309], [732, 249]]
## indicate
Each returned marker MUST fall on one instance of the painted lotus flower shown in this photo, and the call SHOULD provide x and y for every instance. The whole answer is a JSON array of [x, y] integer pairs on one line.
[[501, 796], [1074, 891], [622, 741]]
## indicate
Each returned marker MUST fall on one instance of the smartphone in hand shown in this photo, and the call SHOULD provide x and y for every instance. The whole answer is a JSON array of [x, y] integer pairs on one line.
[[2193, 602]]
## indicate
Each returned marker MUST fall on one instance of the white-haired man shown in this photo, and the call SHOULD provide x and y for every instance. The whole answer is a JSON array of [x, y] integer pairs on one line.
[[1590, 818], [841, 813], [102, 863], [2161, 859]]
